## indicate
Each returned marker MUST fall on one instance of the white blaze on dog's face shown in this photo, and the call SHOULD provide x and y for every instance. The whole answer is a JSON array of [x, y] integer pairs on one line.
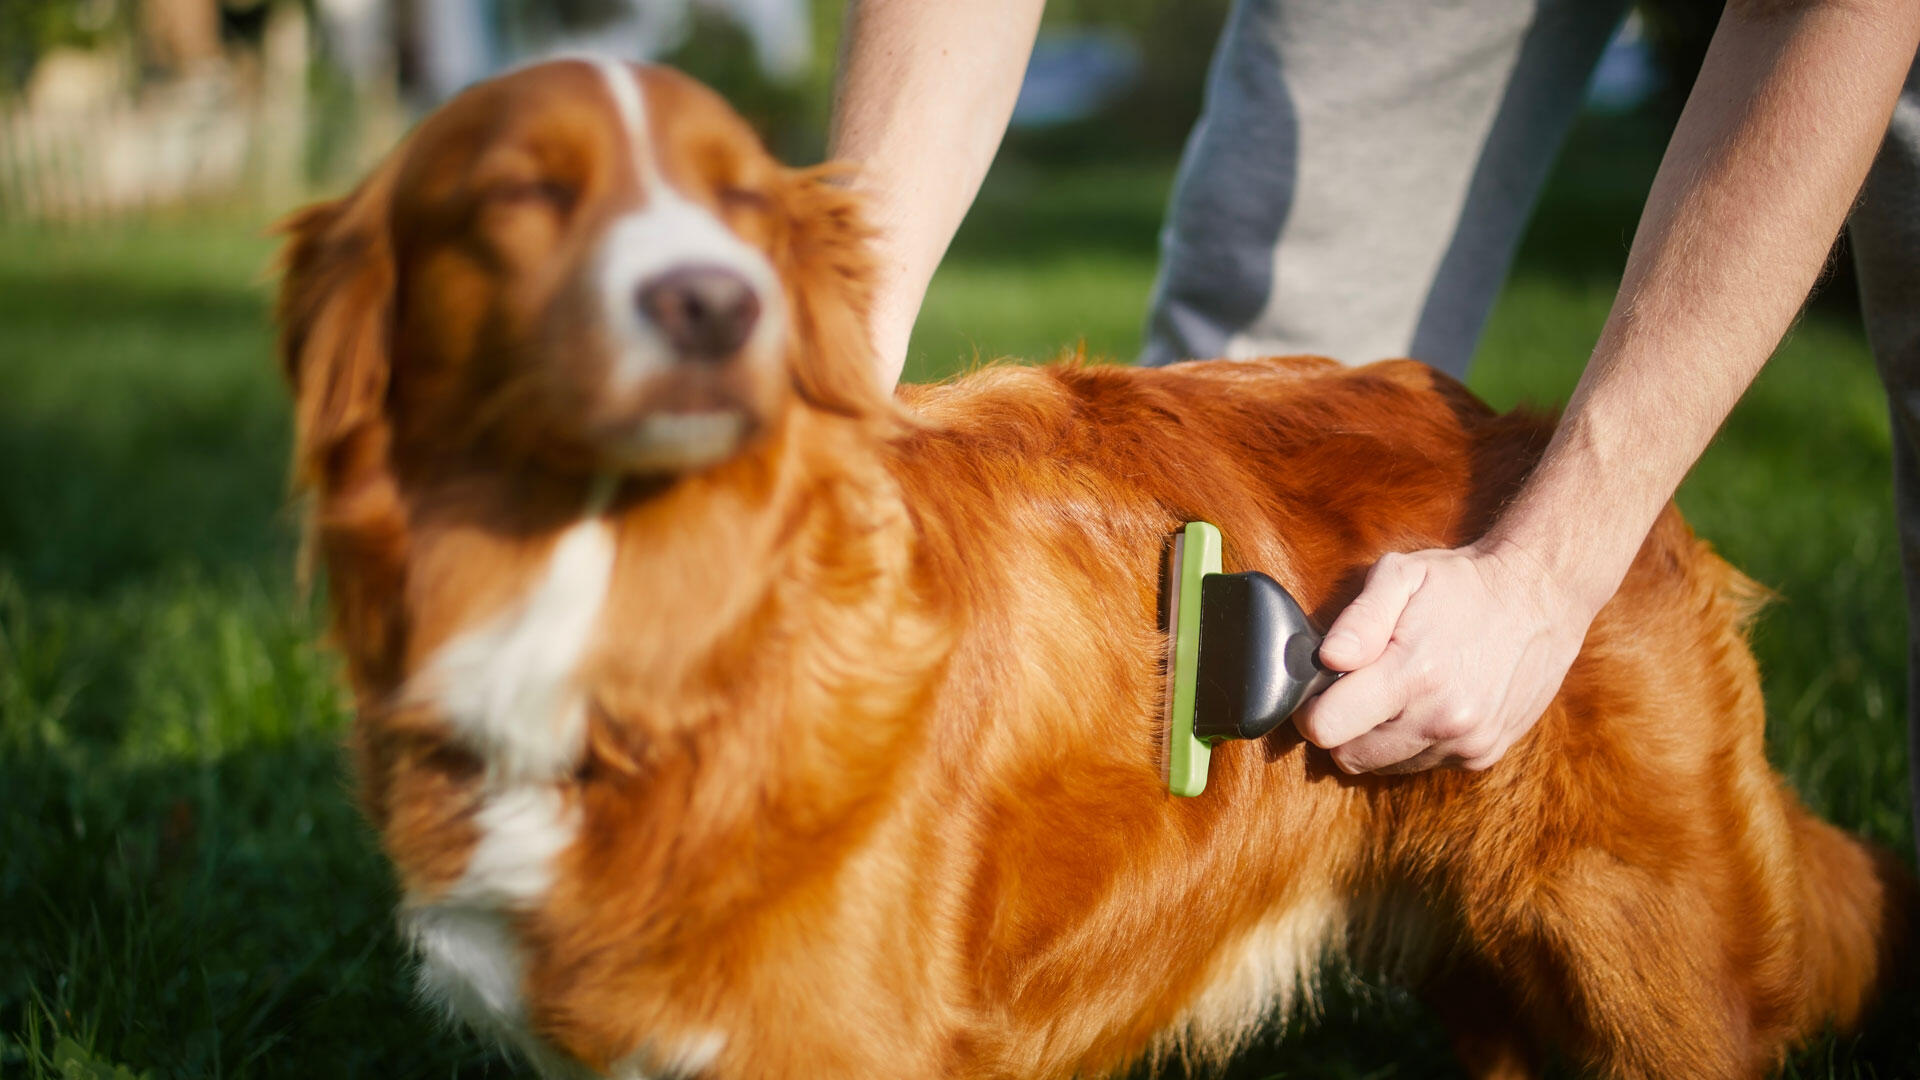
[[683, 295], [598, 265]]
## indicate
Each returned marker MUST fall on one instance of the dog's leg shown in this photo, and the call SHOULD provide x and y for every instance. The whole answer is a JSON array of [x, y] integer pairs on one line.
[[1858, 905], [1483, 1021], [1633, 968]]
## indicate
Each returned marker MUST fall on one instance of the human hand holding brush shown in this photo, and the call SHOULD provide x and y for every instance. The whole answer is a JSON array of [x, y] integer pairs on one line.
[[1459, 651]]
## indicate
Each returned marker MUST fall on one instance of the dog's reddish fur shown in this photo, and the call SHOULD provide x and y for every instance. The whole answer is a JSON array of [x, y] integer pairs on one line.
[[873, 782]]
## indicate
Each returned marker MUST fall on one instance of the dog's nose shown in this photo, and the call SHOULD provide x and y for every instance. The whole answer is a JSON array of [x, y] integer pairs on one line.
[[704, 312]]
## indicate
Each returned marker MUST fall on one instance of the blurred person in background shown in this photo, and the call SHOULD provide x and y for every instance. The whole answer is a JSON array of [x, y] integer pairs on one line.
[[1356, 186]]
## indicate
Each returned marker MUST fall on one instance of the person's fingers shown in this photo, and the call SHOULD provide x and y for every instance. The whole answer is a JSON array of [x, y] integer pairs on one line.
[[1360, 634], [1416, 741], [1431, 758], [1356, 704], [1419, 693], [1393, 747]]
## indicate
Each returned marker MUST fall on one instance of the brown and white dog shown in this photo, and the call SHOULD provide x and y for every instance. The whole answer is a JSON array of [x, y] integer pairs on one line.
[[723, 718]]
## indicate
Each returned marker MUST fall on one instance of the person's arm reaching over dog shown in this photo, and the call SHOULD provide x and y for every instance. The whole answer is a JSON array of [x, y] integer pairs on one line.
[[926, 89], [1454, 654]]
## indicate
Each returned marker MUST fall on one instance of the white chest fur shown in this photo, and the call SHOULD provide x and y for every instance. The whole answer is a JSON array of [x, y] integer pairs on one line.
[[509, 687], [510, 691]]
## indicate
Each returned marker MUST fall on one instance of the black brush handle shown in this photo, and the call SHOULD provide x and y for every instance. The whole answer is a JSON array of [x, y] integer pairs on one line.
[[1259, 657]]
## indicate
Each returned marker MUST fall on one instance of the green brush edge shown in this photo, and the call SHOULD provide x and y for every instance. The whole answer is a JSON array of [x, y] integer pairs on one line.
[[1187, 756]]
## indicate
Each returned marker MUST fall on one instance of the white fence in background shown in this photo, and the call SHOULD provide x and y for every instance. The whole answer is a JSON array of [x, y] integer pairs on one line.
[[118, 160], [89, 150]]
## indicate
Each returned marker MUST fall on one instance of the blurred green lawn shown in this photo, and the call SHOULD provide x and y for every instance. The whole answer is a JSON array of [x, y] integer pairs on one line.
[[185, 887]]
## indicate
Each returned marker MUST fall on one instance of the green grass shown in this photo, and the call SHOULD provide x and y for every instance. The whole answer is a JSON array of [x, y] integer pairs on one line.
[[185, 887]]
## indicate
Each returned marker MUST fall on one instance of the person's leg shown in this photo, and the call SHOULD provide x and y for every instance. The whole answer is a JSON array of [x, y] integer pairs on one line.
[[1361, 173], [1885, 234]]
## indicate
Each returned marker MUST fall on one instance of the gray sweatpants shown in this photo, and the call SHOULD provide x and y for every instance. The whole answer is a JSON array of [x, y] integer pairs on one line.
[[1361, 174]]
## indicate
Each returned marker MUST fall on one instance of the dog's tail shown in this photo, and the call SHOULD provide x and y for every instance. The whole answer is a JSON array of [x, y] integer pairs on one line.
[[1859, 904]]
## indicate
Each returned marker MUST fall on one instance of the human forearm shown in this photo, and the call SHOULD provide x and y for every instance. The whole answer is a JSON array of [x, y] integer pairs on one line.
[[1453, 655], [925, 92], [1790, 106]]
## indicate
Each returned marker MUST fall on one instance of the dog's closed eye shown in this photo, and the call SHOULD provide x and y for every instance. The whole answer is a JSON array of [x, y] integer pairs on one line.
[[521, 192]]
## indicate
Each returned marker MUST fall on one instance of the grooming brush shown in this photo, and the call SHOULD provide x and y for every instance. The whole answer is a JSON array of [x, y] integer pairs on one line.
[[1243, 657]]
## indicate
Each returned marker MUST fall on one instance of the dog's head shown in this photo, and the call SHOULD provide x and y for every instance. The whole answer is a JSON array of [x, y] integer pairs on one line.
[[584, 266]]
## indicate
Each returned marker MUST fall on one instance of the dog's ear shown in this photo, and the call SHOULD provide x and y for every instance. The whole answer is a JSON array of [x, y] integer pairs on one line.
[[335, 314], [828, 266]]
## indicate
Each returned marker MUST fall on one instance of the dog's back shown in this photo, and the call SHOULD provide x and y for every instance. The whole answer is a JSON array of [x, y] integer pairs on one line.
[[1632, 884]]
